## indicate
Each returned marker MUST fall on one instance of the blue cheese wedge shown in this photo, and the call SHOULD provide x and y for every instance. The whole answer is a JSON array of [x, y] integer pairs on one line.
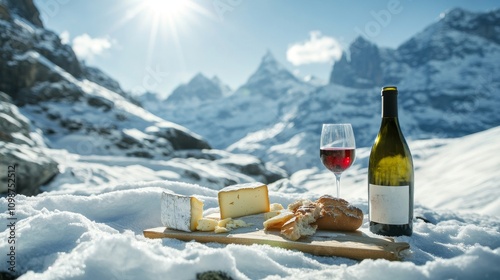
[[180, 212], [243, 199]]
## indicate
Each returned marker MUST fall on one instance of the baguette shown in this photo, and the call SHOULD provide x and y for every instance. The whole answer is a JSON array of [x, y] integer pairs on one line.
[[304, 217], [338, 214]]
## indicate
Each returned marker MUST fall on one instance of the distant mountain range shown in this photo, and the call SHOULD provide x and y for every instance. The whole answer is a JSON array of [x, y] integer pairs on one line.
[[447, 76]]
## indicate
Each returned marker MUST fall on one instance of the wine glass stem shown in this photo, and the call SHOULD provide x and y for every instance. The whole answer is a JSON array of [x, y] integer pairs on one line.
[[337, 180]]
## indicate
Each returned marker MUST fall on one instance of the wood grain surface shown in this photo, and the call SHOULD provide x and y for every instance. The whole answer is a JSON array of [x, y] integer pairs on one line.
[[353, 245]]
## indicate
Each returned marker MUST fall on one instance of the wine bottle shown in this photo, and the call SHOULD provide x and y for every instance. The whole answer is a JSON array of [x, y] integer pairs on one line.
[[390, 174]]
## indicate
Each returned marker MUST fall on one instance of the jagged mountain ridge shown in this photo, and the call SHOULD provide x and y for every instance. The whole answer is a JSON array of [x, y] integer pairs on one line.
[[269, 95], [449, 94], [198, 90], [446, 76], [458, 34]]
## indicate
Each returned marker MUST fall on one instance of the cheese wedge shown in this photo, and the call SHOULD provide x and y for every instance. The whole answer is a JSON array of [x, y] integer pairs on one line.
[[205, 224], [243, 199], [180, 212]]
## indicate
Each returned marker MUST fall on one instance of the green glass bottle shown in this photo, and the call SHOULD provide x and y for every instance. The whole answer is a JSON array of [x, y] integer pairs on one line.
[[390, 174]]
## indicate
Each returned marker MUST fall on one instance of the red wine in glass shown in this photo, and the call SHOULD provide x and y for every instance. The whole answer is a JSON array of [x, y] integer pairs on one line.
[[337, 149], [337, 160]]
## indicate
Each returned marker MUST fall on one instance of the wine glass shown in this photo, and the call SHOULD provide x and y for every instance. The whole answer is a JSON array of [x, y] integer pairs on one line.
[[337, 149]]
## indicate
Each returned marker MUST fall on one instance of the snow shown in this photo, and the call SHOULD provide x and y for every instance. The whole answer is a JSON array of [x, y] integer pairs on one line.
[[91, 227], [88, 222]]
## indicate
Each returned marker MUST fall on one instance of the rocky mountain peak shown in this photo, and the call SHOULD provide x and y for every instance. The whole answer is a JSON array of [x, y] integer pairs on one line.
[[199, 78], [197, 90], [457, 34], [479, 24], [269, 63], [25, 9], [362, 69], [269, 57], [226, 90], [361, 43], [269, 78]]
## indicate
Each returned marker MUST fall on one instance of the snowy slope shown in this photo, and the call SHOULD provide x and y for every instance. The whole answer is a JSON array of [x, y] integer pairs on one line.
[[63, 99], [91, 229], [458, 174], [214, 169]]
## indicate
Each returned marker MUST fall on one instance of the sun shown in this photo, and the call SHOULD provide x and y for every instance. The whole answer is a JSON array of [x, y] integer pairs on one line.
[[171, 10], [161, 22], [167, 20]]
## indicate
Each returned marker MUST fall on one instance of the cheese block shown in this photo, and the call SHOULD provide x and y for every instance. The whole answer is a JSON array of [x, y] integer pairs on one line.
[[243, 199], [180, 212]]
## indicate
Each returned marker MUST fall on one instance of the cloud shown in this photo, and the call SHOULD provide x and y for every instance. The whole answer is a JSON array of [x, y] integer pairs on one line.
[[64, 37], [87, 47], [318, 49]]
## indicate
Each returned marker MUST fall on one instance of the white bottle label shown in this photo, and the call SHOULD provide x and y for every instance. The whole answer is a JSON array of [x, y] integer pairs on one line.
[[389, 204]]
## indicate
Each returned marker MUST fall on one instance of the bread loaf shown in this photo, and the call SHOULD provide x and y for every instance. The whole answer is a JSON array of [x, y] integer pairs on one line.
[[302, 224], [304, 217], [338, 214]]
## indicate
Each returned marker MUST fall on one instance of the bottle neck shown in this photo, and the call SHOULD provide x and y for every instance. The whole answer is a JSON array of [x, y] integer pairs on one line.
[[389, 106]]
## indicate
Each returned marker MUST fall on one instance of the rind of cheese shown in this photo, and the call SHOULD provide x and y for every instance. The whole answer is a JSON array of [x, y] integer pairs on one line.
[[180, 212], [243, 199], [205, 224]]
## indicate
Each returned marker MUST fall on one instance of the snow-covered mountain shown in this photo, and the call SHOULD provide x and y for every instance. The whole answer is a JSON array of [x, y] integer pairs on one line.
[[83, 111], [267, 97], [273, 81], [62, 98], [198, 90], [445, 74]]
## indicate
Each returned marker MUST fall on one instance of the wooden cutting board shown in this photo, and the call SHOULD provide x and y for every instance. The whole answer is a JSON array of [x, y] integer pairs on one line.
[[353, 245]]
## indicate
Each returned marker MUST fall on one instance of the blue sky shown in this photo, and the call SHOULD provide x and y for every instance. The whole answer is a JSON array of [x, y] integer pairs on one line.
[[154, 45]]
